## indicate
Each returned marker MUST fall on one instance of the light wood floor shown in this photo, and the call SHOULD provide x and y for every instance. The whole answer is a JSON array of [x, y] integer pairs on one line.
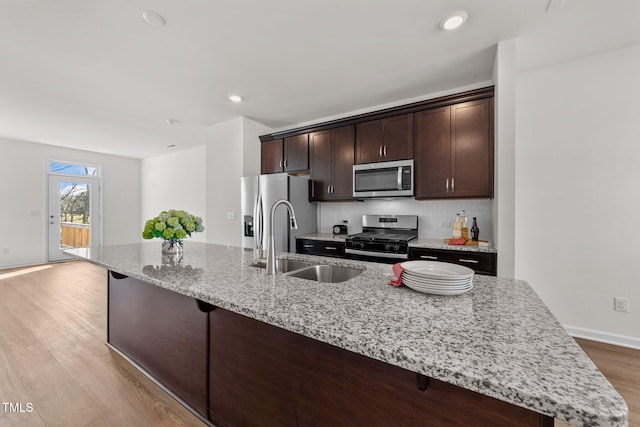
[[52, 355]]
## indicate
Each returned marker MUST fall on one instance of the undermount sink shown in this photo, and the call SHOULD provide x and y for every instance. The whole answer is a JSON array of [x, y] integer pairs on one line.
[[285, 265], [306, 270], [326, 273]]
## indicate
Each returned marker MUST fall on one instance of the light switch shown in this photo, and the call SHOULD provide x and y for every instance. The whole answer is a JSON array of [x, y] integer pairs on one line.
[[231, 216]]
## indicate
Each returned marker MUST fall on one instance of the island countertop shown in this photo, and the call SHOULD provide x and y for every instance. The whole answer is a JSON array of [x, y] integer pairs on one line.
[[498, 339]]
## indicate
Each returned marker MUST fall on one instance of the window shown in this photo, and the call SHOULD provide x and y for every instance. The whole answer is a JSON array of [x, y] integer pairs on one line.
[[72, 169]]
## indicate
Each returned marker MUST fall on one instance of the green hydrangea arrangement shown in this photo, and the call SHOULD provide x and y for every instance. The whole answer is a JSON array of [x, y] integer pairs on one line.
[[172, 225]]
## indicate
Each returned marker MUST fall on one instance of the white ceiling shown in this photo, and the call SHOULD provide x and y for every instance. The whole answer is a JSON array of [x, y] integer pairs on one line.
[[92, 74]]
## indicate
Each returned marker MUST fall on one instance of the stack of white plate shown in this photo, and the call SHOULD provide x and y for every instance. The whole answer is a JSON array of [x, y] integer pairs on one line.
[[439, 278]]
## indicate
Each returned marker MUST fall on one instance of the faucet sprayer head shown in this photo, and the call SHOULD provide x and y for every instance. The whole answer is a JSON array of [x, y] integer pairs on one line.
[[294, 223]]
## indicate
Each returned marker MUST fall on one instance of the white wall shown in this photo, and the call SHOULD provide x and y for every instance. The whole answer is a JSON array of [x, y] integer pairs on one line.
[[176, 180], [205, 180], [504, 136], [577, 186], [224, 169], [23, 176], [233, 151], [252, 154]]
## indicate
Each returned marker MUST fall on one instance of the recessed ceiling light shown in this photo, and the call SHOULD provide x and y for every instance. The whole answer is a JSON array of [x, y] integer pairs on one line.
[[153, 18], [171, 121], [453, 21], [171, 145], [235, 98]]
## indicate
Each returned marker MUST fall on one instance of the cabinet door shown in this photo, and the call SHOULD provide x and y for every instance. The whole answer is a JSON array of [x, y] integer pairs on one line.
[[472, 149], [369, 143], [296, 153], [342, 163], [162, 331], [249, 381], [271, 156], [321, 165], [397, 137], [433, 153]]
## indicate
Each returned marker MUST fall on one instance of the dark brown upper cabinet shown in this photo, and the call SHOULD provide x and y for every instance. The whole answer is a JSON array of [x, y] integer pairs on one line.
[[331, 158], [385, 139], [454, 151], [272, 156], [296, 153], [286, 155]]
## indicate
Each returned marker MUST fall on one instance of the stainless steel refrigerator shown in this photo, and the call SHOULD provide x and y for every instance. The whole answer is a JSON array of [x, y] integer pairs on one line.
[[258, 195]]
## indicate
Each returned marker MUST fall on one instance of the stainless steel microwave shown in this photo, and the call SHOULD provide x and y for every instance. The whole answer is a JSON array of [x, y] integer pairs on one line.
[[385, 179]]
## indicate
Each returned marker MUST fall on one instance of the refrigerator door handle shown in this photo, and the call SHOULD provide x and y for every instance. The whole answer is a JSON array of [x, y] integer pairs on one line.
[[258, 223]]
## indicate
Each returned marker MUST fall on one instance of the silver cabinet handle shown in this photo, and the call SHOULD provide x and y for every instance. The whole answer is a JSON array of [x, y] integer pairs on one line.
[[308, 246], [280, 163], [453, 185], [385, 151], [328, 189], [429, 257], [447, 185], [470, 261], [333, 189], [331, 248], [286, 163], [380, 151]]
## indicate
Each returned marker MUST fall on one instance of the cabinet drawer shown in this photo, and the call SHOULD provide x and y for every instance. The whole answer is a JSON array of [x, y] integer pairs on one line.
[[320, 247], [480, 262]]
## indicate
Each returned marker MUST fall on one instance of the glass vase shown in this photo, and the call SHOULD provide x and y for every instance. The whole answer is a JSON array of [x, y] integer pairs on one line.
[[172, 247]]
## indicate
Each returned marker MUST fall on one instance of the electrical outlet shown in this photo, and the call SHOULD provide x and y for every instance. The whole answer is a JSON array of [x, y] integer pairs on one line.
[[231, 216], [621, 304]]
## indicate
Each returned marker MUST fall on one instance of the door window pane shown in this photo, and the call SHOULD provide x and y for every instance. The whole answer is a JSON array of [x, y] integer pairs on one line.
[[75, 214]]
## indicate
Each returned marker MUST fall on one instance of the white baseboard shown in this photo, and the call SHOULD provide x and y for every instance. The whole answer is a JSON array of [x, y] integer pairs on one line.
[[605, 337], [22, 264]]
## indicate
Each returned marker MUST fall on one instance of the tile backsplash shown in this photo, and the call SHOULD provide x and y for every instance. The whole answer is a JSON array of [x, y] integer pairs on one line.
[[435, 218]]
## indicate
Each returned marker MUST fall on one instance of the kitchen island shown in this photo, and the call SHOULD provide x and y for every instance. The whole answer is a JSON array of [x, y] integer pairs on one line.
[[497, 341]]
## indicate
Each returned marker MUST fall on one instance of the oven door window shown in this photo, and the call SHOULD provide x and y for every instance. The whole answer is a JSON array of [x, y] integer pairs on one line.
[[376, 180]]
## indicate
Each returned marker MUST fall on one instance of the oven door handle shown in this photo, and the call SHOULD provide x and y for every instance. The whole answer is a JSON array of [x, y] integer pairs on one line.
[[376, 254]]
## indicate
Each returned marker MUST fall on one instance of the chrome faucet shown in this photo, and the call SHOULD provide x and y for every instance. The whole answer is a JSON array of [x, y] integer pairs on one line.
[[271, 251]]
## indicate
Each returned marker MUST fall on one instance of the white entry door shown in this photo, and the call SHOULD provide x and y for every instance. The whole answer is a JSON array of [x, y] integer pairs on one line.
[[74, 214]]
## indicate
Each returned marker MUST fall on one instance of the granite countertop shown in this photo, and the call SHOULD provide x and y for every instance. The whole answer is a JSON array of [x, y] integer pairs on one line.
[[498, 339], [416, 243]]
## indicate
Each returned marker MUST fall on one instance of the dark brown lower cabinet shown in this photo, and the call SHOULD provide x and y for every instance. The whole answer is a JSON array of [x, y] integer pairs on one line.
[[320, 247], [262, 375], [479, 262], [164, 332]]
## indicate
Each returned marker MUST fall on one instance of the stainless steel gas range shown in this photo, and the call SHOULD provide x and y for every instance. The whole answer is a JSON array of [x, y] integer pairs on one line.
[[385, 238]]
